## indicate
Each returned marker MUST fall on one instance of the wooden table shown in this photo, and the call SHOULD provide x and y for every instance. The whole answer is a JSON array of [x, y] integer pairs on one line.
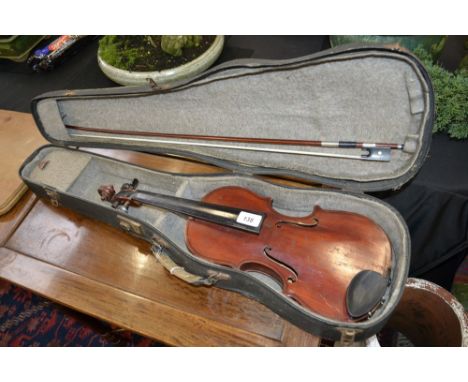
[[100, 271]]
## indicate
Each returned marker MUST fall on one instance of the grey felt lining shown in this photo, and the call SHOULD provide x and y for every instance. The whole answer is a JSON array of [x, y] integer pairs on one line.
[[79, 174], [372, 98]]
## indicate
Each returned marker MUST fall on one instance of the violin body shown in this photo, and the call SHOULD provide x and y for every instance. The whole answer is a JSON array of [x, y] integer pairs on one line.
[[333, 263], [313, 258]]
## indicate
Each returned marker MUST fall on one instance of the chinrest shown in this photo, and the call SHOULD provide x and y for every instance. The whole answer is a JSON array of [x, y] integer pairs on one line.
[[364, 293]]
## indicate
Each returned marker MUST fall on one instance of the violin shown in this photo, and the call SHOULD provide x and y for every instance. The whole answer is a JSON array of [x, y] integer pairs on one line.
[[334, 263]]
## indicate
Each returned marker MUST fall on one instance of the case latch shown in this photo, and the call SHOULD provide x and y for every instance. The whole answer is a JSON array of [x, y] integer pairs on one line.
[[52, 194], [348, 336], [129, 225]]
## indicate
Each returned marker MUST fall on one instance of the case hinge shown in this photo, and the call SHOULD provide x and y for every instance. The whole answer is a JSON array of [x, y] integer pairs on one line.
[[52, 194]]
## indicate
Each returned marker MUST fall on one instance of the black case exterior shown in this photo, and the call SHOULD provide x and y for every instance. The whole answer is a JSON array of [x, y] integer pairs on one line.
[[197, 272]]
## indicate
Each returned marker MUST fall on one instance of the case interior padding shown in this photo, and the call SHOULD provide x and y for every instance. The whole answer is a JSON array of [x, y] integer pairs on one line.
[[371, 96], [79, 174]]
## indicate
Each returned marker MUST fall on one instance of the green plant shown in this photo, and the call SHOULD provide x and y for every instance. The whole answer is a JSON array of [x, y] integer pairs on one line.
[[146, 53], [174, 45], [111, 48], [451, 97]]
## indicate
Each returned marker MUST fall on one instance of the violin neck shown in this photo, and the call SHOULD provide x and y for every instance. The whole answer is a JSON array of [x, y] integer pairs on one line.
[[249, 221]]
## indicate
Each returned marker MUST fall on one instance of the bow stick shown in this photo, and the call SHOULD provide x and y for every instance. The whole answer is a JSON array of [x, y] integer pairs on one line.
[[372, 151]]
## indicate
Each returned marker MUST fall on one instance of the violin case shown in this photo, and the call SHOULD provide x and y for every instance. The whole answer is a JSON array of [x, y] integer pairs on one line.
[[369, 93]]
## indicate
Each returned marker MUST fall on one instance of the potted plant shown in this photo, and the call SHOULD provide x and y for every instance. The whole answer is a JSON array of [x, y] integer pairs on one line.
[[433, 44], [166, 60], [17, 48]]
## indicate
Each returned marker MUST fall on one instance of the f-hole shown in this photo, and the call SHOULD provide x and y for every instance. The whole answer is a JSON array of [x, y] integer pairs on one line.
[[292, 278], [280, 223]]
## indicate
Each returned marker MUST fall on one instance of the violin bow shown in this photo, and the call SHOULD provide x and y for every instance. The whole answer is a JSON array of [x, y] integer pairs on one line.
[[380, 152]]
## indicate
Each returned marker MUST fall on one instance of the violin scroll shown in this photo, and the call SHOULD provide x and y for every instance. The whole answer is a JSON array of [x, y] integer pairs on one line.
[[123, 198], [106, 192]]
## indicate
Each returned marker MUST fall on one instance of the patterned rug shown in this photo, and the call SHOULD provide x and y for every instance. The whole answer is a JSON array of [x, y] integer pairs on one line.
[[30, 320]]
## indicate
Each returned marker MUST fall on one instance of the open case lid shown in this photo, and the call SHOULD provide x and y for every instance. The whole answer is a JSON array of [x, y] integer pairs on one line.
[[353, 93]]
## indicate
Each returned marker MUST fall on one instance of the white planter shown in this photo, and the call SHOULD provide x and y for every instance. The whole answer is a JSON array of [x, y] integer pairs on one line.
[[166, 77]]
